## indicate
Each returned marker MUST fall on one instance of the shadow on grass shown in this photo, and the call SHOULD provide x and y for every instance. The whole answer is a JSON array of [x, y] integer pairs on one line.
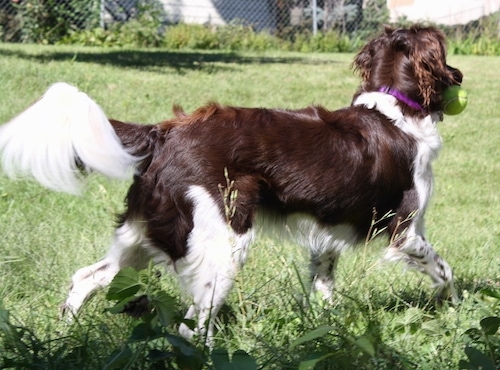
[[424, 297], [151, 59]]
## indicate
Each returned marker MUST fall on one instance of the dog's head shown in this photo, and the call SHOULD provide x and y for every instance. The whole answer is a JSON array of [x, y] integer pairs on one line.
[[412, 61]]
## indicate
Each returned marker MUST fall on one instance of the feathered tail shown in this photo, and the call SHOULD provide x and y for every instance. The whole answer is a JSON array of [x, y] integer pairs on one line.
[[60, 135]]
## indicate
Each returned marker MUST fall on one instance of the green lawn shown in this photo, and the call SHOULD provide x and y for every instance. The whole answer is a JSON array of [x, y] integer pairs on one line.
[[46, 236]]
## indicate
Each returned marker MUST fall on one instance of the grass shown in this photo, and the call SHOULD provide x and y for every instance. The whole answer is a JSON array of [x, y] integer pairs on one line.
[[46, 236]]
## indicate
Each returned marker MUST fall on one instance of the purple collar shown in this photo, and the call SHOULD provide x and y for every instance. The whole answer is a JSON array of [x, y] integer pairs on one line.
[[401, 97]]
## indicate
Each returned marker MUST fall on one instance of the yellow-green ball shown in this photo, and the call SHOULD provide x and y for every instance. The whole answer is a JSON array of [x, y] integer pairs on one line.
[[454, 100]]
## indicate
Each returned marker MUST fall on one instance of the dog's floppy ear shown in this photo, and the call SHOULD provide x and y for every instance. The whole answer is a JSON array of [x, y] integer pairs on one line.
[[428, 56], [363, 62]]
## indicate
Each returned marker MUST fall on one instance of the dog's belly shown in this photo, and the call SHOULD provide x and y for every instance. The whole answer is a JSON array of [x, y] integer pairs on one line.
[[305, 230]]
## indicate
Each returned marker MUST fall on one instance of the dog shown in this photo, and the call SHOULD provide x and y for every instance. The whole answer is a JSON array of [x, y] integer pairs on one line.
[[200, 180]]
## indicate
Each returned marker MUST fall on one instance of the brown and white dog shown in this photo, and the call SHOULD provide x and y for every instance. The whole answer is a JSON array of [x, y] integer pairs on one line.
[[328, 172]]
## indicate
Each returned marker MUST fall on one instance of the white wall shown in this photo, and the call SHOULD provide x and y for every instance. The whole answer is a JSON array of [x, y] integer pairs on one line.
[[442, 11], [192, 11]]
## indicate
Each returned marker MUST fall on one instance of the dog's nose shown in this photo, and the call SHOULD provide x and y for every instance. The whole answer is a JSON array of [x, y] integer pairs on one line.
[[457, 75]]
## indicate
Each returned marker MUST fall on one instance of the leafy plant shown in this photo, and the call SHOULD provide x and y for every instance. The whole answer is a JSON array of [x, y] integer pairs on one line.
[[483, 347], [137, 293], [47, 21], [143, 29]]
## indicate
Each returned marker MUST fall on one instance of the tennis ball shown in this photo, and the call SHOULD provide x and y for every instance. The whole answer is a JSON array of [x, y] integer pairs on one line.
[[454, 100]]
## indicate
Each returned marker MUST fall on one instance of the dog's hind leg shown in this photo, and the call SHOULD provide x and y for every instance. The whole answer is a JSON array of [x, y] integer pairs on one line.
[[209, 289], [126, 250], [325, 244], [215, 254], [322, 271]]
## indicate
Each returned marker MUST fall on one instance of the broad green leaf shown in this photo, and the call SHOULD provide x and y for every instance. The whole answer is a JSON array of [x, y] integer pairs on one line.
[[144, 332], [5, 325], [313, 334], [120, 306], [478, 359], [462, 364], [182, 345], [365, 344], [491, 292], [474, 333], [125, 284], [239, 361], [156, 355], [490, 325], [119, 358], [187, 356], [243, 361], [165, 307], [221, 361], [313, 359]]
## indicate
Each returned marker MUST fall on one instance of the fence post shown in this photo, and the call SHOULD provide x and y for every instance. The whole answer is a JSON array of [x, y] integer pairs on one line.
[[314, 17], [101, 13]]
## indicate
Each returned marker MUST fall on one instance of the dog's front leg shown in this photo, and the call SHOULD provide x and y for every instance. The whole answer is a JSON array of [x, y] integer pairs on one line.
[[126, 250], [418, 253]]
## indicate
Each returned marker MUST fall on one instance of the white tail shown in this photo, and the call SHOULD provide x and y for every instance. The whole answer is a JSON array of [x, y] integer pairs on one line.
[[63, 130]]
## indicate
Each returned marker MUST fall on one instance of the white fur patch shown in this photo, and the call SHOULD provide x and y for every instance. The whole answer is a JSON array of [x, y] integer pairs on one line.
[[215, 254], [321, 239], [213, 247], [65, 124], [384, 103]]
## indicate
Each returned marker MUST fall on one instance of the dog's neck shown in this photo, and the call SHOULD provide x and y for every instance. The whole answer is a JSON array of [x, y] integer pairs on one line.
[[401, 97], [384, 103]]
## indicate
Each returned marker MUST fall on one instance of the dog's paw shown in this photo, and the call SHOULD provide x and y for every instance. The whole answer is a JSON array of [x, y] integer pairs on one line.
[[186, 332], [66, 312], [447, 293]]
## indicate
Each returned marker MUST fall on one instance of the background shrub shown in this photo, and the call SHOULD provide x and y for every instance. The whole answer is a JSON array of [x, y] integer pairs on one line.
[[47, 21]]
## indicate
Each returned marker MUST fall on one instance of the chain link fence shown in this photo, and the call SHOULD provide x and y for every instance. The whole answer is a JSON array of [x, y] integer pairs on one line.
[[276, 16], [48, 21]]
